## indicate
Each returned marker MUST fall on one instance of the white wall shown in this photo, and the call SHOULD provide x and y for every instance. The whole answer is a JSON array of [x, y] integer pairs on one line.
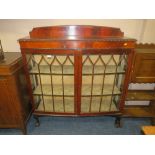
[[12, 30], [149, 32]]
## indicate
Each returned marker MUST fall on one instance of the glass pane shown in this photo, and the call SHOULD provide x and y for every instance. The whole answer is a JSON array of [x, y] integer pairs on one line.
[[102, 81], [57, 105], [52, 79], [99, 104]]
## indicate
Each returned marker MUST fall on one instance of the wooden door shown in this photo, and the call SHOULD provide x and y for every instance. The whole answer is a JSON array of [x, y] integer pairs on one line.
[[144, 67], [7, 111]]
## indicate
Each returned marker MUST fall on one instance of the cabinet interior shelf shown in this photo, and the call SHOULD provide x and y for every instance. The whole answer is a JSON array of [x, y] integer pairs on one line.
[[68, 106], [69, 70], [46, 89], [138, 111], [140, 95]]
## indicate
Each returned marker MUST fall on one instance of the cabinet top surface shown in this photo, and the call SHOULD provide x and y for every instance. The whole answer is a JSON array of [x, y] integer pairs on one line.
[[76, 32], [11, 63], [10, 58]]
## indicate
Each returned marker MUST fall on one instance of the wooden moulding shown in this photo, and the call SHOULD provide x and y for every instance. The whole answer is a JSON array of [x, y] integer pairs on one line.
[[79, 31], [146, 45], [76, 37]]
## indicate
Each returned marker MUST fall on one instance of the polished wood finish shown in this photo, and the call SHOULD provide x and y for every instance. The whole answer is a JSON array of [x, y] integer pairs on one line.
[[148, 130], [143, 71], [7, 115], [80, 31], [139, 111], [143, 68], [76, 36], [78, 40], [73, 44], [15, 109], [140, 95]]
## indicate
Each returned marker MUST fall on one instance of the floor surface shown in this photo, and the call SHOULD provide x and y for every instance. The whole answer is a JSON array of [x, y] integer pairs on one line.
[[81, 126]]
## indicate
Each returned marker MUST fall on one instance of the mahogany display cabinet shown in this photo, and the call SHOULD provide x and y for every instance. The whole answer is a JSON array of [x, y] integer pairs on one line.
[[77, 70], [15, 106]]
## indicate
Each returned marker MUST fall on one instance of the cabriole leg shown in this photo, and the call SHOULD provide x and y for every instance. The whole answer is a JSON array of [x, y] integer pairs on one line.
[[37, 123], [118, 122]]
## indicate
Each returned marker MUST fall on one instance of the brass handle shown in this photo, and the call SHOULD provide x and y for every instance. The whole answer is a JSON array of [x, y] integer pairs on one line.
[[125, 44]]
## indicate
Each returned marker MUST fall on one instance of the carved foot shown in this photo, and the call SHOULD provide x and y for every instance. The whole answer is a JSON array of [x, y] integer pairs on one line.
[[37, 123], [118, 122]]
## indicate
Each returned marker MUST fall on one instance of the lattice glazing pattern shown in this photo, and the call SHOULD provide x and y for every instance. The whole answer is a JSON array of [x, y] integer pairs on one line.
[[52, 79], [102, 82]]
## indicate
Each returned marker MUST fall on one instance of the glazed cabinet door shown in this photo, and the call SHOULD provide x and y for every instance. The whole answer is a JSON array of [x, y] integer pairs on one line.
[[102, 82], [52, 82], [7, 110]]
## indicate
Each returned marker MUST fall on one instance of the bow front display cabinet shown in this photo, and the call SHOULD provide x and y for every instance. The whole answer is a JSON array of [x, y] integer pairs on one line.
[[77, 70]]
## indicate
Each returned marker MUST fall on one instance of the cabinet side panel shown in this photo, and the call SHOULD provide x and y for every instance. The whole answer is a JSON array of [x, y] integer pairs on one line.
[[8, 112], [25, 105]]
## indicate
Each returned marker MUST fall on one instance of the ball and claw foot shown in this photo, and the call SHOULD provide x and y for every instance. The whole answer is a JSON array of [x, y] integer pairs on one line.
[[37, 123], [118, 122]]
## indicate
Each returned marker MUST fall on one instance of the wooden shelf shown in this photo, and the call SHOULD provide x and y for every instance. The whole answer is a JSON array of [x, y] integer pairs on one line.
[[100, 70], [140, 95], [58, 104], [69, 105], [45, 69], [97, 89], [57, 90], [69, 90], [138, 111], [69, 70], [106, 105]]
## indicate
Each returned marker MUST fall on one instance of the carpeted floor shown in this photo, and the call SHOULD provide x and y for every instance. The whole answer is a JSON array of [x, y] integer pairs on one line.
[[81, 126]]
